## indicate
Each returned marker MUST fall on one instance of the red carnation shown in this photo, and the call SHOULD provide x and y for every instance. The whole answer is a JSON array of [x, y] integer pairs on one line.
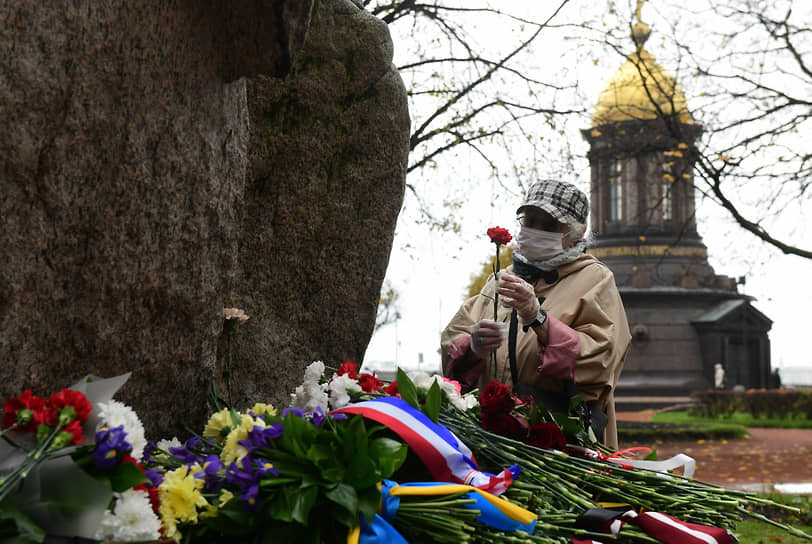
[[499, 236], [369, 383], [349, 368], [504, 425], [70, 405], [546, 435], [22, 410], [392, 389], [496, 398]]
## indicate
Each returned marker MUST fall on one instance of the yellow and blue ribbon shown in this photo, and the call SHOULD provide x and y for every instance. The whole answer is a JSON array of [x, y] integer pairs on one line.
[[494, 511]]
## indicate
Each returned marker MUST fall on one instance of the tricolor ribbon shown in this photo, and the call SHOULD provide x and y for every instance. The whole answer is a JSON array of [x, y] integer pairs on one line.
[[446, 457], [657, 525]]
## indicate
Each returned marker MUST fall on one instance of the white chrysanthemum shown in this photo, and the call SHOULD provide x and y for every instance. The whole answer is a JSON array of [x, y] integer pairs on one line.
[[339, 391], [310, 396], [131, 519], [314, 372], [165, 444], [115, 413]]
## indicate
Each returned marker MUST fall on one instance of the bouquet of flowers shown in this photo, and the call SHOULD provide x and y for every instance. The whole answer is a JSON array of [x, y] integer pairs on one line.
[[71, 467]]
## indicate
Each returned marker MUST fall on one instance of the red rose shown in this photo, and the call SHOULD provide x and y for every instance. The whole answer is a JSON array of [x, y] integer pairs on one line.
[[70, 406], [369, 383], [22, 410], [496, 398], [499, 236], [392, 389], [504, 425], [546, 435], [350, 369]]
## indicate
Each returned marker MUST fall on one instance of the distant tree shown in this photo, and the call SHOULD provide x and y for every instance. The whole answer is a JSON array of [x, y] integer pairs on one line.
[[387, 306], [469, 90]]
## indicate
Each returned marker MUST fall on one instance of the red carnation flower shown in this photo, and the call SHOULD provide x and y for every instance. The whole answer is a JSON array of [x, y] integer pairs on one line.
[[349, 368], [369, 383], [392, 389], [504, 425], [496, 398], [546, 435], [70, 405], [499, 236], [22, 410]]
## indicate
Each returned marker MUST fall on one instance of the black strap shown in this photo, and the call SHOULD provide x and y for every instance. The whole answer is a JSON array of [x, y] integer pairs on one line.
[[513, 330]]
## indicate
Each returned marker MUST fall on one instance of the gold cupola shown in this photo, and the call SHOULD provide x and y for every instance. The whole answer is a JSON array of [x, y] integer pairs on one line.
[[640, 88]]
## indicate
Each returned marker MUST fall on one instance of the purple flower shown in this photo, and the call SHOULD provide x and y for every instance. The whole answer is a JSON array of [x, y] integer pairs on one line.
[[192, 451], [249, 495], [211, 473], [246, 476], [317, 416], [295, 410], [146, 457], [262, 437], [154, 476], [110, 445]]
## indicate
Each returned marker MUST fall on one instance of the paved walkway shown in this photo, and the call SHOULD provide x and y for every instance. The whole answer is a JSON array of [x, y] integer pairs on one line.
[[769, 459]]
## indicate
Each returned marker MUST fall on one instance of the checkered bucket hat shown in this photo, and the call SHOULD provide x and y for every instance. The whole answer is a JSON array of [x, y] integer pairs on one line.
[[564, 201]]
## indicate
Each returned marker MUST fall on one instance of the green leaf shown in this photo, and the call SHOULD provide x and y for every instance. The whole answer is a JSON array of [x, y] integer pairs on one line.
[[363, 472], [407, 390], [434, 400], [344, 495], [124, 476], [651, 456], [368, 500], [282, 507], [303, 502], [390, 455], [355, 438]]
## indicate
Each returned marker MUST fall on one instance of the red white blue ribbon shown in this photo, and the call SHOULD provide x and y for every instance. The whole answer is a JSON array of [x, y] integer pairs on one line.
[[446, 457], [656, 525]]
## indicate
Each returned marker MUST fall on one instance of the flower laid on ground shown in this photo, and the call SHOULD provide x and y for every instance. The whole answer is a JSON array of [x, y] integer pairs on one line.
[[94, 456]]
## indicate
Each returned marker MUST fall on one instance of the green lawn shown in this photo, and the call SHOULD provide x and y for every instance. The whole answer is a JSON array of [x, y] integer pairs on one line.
[[757, 532], [737, 418]]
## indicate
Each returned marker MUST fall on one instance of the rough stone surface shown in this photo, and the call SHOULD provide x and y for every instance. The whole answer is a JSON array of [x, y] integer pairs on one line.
[[123, 154], [327, 164]]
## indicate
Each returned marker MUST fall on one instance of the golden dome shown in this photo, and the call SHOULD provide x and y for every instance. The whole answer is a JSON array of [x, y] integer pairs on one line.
[[640, 89]]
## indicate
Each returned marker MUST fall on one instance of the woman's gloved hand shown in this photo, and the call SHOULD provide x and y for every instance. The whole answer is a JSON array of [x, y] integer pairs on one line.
[[486, 336], [519, 294]]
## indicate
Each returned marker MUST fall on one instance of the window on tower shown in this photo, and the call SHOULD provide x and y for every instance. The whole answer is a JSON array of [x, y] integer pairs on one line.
[[615, 191], [667, 202]]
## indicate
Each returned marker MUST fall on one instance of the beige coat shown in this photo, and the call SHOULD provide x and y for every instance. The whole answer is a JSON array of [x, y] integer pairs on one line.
[[586, 299]]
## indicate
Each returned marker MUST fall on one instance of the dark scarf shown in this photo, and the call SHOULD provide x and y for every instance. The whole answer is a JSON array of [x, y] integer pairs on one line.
[[531, 274]]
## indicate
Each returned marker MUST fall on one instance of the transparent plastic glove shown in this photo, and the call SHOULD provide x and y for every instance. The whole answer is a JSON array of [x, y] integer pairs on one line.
[[486, 336], [519, 294]]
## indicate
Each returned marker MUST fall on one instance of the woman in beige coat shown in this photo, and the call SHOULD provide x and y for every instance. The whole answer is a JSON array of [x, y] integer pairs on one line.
[[560, 329]]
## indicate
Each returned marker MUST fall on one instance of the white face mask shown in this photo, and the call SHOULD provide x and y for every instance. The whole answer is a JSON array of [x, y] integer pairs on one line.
[[539, 245]]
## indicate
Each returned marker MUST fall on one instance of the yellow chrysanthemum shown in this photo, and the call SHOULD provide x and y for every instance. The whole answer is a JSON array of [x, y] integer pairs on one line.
[[180, 494], [232, 450], [261, 408], [219, 425]]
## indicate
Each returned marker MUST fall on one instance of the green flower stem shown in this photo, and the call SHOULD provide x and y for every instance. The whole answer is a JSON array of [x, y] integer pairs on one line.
[[792, 530], [32, 459], [553, 481]]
